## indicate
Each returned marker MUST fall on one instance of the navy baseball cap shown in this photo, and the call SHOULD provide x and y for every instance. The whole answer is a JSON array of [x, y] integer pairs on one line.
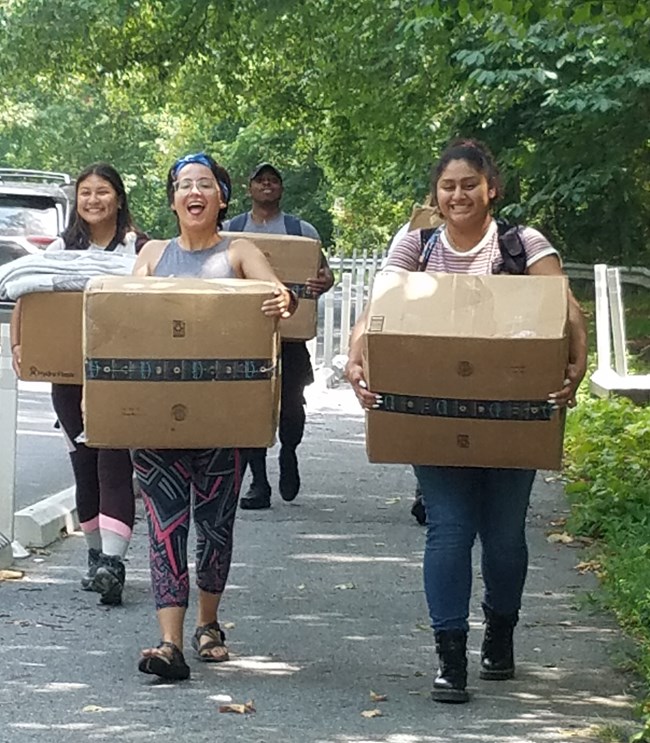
[[264, 166]]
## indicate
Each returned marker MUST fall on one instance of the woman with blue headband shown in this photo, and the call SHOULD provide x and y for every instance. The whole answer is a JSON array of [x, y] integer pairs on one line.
[[198, 191]]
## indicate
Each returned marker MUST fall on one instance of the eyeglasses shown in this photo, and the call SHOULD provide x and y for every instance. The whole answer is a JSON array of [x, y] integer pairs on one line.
[[185, 185]]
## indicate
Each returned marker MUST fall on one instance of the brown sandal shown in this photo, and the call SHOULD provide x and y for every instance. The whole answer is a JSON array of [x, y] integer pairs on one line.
[[217, 640], [171, 666]]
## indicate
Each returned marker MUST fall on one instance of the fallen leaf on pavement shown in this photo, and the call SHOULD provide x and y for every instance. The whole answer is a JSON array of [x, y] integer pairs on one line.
[[239, 709], [369, 713], [374, 697], [392, 501], [301, 587], [558, 522], [561, 537], [229, 625], [424, 627], [588, 566], [93, 708], [11, 574], [345, 586]]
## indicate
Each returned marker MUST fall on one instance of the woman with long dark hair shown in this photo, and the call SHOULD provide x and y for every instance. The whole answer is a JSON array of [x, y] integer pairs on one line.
[[103, 477]]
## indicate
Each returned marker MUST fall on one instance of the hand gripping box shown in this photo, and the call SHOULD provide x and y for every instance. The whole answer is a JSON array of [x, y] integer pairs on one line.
[[294, 259], [465, 365], [50, 337], [179, 363]]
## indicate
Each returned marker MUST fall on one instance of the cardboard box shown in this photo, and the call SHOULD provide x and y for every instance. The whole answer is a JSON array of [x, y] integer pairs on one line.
[[425, 217], [50, 337], [465, 365], [179, 363], [294, 259]]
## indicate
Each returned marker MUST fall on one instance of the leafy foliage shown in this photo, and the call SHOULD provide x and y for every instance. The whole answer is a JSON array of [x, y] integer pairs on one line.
[[608, 451], [354, 101]]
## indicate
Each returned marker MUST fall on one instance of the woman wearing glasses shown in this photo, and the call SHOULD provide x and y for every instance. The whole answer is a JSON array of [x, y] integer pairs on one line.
[[198, 191]]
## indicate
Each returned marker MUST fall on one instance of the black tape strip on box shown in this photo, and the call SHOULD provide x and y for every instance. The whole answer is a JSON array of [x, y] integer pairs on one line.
[[180, 370], [449, 407]]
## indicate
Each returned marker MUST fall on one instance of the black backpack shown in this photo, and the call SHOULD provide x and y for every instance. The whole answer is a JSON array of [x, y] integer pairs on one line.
[[511, 245], [291, 224]]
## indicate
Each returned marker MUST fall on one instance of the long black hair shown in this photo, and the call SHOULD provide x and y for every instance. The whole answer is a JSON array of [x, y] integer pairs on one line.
[[76, 235], [220, 173]]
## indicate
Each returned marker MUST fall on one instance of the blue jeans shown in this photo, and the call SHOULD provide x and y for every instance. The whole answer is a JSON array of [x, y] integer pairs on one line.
[[460, 503]]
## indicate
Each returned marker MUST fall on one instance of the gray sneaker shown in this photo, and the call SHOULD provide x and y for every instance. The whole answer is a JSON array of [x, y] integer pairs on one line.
[[109, 579], [93, 564]]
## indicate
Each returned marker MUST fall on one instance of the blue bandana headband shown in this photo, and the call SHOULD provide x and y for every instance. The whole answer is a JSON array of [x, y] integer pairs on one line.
[[202, 159]]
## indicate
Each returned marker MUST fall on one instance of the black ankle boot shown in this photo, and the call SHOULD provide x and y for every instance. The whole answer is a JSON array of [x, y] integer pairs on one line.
[[289, 475], [497, 654], [449, 685], [258, 494], [93, 564], [109, 579]]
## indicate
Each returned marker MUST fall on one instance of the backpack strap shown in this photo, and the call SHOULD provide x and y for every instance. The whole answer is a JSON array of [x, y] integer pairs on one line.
[[238, 223], [511, 246], [292, 225], [428, 240], [513, 251]]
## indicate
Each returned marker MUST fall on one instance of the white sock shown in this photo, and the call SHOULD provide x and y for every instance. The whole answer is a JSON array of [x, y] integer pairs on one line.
[[93, 540], [113, 544]]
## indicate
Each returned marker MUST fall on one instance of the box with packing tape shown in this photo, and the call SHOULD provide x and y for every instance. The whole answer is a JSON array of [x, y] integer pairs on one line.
[[464, 365], [50, 337], [294, 259], [179, 363]]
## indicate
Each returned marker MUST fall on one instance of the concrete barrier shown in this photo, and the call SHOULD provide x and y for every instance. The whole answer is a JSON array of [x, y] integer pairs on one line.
[[42, 523]]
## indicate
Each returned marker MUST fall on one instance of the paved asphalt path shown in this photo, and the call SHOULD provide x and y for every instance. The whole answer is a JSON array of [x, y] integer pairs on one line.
[[324, 606], [42, 462]]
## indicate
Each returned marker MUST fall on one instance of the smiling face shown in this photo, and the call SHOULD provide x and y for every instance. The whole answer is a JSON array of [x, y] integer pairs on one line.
[[266, 188], [197, 197], [464, 194], [97, 201]]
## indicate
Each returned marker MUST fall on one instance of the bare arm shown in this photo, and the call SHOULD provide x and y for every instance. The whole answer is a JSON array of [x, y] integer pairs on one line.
[[148, 257], [577, 367], [354, 367]]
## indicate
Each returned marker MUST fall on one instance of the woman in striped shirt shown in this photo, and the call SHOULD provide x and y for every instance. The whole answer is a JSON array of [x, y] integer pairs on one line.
[[462, 502]]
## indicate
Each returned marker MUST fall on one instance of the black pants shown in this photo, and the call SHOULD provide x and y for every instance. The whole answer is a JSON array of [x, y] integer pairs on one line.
[[103, 477], [297, 373]]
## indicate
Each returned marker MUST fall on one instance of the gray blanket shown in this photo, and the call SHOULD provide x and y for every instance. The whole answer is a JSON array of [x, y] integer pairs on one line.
[[65, 271]]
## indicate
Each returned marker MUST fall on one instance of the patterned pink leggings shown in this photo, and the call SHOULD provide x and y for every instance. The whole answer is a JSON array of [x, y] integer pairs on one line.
[[169, 479]]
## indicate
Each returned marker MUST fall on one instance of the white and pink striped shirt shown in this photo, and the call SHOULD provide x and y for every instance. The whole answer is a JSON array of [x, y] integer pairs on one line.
[[484, 258]]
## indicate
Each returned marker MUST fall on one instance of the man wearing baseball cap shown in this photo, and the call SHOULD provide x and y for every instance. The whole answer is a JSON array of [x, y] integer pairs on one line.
[[266, 216]]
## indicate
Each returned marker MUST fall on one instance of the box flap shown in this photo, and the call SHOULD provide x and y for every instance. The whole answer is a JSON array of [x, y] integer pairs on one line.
[[293, 258], [171, 285], [464, 306]]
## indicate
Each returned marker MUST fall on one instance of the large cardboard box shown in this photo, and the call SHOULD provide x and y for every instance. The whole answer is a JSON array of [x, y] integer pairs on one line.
[[294, 259], [179, 363], [465, 365], [50, 337]]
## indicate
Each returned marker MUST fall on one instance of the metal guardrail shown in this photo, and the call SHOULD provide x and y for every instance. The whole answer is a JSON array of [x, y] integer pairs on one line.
[[636, 275]]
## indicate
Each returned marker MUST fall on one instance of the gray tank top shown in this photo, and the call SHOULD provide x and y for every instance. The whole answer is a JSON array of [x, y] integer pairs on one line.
[[211, 263]]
